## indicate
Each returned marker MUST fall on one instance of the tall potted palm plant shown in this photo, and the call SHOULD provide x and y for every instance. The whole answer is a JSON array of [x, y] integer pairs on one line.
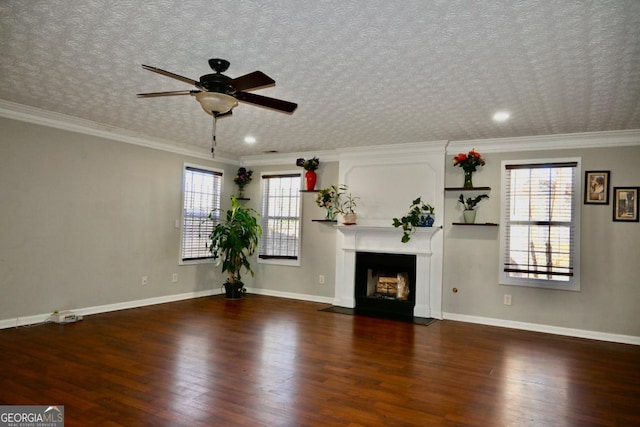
[[232, 242]]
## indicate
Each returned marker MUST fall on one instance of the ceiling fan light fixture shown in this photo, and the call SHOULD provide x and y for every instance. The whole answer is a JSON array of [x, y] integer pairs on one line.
[[216, 102]]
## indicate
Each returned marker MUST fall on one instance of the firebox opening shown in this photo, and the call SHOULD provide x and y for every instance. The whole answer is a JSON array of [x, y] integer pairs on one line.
[[385, 284]]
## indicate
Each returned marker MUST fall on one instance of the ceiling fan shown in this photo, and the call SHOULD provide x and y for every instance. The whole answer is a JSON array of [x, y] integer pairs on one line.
[[219, 94]]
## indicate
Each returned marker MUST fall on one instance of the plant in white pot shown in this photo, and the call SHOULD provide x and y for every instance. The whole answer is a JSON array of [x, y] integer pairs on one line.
[[469, 204], [232, 242], [348, 208]]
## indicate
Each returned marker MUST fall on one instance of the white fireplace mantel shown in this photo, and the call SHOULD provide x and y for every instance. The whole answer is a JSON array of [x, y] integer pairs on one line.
[[425, 244], [386, 180]]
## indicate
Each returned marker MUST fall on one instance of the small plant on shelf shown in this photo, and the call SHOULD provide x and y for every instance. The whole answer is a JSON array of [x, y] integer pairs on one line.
[[329, 198], [469, 162], [309, 164], [348, 208], [413, 218], [242, 178], [470, 203]]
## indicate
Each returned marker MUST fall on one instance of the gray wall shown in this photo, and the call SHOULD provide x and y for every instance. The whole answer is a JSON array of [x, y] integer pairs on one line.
[[609, 300], [318, 252], [82, 219]]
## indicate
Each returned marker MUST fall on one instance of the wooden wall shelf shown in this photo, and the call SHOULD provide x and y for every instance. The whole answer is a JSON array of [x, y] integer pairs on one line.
[[333, 221], [309, 191], [487, 224], [467, 189]]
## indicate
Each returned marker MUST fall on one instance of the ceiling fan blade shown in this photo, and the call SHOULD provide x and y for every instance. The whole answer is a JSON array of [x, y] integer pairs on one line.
[[252, 81], [171, 93], [264, 101], [172, 75]]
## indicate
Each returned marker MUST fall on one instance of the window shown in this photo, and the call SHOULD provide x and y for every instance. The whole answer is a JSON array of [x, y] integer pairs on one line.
[[201, 196], [280, 218], [540, 236]]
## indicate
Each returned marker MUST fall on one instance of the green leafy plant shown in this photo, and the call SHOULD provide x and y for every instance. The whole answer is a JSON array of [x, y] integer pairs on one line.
[[235, 239], [412, 219], [470, 203], [330, 197], [349, 205]]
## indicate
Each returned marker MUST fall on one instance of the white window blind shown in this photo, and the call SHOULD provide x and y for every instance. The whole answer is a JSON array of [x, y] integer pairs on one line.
[[201, 196], [280, 217], [540, 233]]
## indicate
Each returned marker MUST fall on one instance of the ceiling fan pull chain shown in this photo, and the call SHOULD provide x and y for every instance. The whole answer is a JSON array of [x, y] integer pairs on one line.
[[213, 137]]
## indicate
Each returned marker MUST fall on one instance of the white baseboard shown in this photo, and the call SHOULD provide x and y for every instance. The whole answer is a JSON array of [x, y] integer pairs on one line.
[[41, 318], [578, 333], [557, 330]]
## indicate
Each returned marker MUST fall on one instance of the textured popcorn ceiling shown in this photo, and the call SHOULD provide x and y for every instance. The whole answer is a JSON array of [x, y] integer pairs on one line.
[[363, 72]]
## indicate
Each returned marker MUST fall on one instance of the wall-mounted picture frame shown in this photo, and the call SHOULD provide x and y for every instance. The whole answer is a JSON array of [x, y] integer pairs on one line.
[[596, 187], [625, 204]]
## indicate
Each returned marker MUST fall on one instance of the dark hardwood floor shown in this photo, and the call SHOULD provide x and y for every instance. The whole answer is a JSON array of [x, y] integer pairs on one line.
[[265, 361]]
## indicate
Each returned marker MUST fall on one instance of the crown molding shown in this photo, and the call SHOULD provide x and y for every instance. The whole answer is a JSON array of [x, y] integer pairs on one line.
[[277, 159], [618, 138], [394, 150], [25, 113]]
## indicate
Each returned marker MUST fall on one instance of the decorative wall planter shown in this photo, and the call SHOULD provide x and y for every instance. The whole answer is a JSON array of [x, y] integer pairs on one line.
[[469, 216]]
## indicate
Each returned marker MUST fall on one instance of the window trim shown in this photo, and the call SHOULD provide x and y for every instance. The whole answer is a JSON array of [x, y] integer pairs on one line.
[[574, 282], [185, 167], [277, 260]]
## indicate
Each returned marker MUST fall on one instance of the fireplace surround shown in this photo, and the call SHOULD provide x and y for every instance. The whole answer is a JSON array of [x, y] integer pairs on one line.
[[427, 297], [387, 179]]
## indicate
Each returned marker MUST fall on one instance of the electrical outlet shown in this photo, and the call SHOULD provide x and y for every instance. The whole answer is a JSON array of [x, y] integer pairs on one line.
[[174, 278], [507, 299], [321, 279], [145, 280]]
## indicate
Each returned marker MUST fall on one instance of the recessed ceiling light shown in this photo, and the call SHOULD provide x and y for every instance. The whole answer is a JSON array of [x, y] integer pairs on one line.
[[501, 116], [249, 139]]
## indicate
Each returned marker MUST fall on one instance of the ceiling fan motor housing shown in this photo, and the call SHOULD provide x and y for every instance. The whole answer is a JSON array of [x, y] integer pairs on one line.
[[217, 83]]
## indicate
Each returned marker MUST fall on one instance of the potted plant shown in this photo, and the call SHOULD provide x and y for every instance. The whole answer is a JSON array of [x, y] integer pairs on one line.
[[469, 162], [348, 209], [469, 205], [329, 198], [232, 242], [412, 219], [310, 165], [242, 178]]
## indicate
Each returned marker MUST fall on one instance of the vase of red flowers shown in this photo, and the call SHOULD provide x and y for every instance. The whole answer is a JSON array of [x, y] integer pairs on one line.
[[469, 163], [310, 166]]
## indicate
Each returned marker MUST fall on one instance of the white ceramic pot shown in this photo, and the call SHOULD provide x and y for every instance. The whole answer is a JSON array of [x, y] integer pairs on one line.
[[469, 216]]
